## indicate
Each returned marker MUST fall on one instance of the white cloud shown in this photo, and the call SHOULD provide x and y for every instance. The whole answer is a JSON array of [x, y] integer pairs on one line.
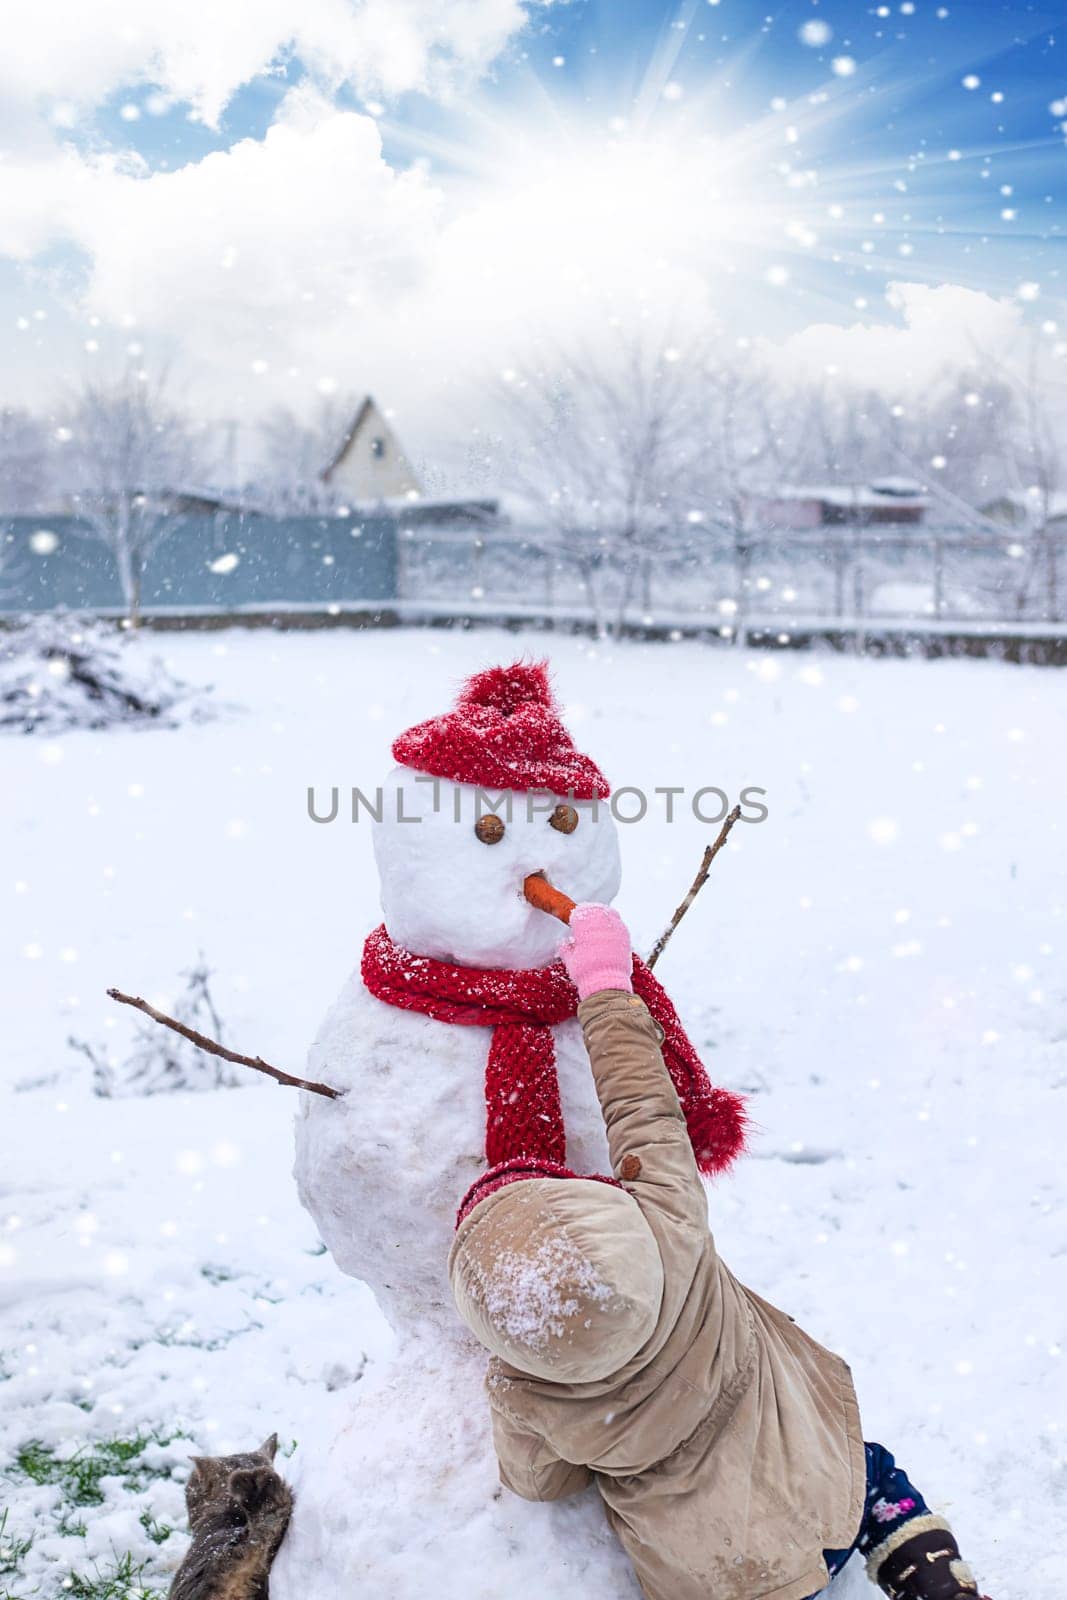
[[301, 252], [303, 263], [200, 52], [932, 328], [272, 235]]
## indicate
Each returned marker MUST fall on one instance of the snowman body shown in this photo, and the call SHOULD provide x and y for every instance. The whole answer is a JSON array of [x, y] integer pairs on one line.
[[384, 1178], [404, 1500]]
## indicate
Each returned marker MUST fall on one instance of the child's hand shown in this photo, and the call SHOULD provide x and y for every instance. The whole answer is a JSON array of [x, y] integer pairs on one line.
[[598, 954]]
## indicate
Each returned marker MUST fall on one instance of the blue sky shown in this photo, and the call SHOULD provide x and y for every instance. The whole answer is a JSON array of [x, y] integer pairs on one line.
[[857, 145], [911, 94]]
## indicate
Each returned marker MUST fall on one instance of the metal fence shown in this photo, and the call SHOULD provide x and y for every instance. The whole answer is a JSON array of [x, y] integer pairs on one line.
[[884, 575], [710, 578], [215, 564]]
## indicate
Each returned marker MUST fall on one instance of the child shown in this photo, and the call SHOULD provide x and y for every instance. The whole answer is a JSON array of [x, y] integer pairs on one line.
[[725, 1442]]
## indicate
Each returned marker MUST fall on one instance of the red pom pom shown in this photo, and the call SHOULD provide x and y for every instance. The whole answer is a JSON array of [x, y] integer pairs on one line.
[[505, 689], [718, 1130], [504, 732]]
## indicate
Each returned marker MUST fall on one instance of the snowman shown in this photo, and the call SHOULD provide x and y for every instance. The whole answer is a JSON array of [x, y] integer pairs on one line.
[[454, 1038]]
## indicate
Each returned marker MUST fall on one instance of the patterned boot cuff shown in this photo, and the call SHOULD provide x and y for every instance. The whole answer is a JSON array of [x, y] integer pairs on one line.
[[921, 1530]]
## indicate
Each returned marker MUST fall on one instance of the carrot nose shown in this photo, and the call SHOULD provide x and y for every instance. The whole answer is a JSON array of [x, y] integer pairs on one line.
[[545, 897]]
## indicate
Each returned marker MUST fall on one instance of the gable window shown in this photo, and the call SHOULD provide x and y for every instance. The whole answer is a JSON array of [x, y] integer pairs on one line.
[[377, 449]]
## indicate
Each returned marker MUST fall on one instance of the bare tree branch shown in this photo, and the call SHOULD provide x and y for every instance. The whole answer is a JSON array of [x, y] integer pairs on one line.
[[296, 451], [130, 449]]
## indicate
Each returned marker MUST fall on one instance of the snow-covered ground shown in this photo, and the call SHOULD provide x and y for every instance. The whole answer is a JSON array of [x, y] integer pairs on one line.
[[880, 964]]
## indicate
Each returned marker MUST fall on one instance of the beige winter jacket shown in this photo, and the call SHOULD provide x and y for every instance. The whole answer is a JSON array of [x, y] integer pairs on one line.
[[727, 1447]]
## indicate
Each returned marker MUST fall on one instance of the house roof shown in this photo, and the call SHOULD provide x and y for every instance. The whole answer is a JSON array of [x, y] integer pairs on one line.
[[363, 410], [893, 484]]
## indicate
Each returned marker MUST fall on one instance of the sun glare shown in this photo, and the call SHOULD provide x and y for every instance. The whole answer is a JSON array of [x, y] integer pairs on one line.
[[697, 197], [634, 197], [683, 221]]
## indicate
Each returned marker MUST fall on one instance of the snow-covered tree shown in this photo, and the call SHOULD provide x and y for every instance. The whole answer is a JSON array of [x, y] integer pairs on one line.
[[25, 449], [748, 421], [1030, 430], [853, 434], [296, 450], [989, 444], [129, 450], [605, 451], [647, 450]]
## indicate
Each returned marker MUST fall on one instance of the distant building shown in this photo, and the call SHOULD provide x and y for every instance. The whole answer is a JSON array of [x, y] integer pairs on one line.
[[370, 464], [369, 474], [887, 500], [1025, 510]]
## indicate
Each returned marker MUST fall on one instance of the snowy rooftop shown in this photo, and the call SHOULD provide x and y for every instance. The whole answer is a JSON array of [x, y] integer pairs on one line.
[[1031, 501], [900, 493]]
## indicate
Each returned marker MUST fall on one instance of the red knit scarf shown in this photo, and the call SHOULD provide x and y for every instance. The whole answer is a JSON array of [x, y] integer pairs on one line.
[[524, 1116]]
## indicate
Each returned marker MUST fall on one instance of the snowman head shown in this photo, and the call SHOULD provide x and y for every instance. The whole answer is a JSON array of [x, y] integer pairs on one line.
[[452, 878]]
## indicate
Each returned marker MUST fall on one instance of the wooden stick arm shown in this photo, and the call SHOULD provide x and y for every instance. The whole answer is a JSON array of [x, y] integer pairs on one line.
[[694, 888], [538, 891], [213, 1047]]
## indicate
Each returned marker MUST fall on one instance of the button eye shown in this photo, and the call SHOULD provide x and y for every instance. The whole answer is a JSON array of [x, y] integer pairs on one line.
[[490, 828], [564, 819]]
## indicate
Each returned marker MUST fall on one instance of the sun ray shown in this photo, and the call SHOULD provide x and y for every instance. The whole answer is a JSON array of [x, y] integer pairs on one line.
[[675, 181]]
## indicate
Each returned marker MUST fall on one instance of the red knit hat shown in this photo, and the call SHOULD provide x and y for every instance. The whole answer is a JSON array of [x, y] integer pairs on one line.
[[504, 732]]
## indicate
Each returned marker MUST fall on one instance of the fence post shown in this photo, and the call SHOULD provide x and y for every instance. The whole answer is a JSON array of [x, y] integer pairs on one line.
[[742, 561], [939, 577], [1053, 579], [838, 550], [402, 564]]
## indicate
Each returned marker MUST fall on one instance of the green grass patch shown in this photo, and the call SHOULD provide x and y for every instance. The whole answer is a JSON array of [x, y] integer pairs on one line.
[[12, 1551], [80, 1475], [70, 1524], [80, 1479], [124, 1579], [158, 1532], [216, 1275]]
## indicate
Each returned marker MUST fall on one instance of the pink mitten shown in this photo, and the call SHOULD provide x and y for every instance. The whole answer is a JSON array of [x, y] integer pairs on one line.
[[598, 953]]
